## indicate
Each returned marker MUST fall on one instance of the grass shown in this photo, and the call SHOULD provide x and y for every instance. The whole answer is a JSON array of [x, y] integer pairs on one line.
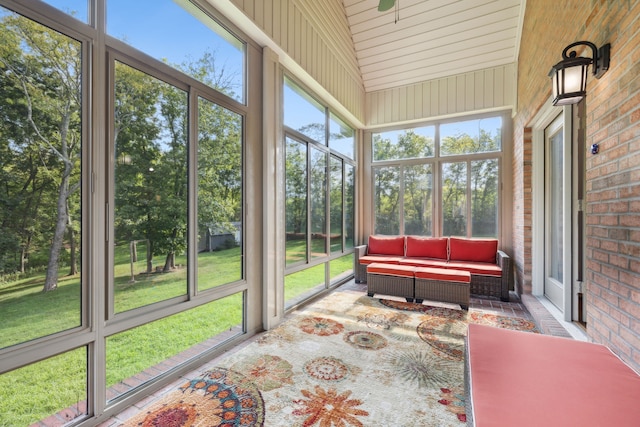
[[183, 331], [301, 282], [36, 391], [27, 313]]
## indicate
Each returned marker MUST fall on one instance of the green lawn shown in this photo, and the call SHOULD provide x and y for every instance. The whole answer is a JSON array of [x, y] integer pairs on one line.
[[300, 283], [34, 392]]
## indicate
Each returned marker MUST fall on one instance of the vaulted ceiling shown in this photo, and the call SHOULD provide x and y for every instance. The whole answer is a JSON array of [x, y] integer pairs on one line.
[[420, 40]]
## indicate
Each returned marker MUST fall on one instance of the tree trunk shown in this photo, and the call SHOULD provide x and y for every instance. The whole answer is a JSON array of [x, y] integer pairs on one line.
[[23, 259], [51, 280], [73, 264], [149, 257], [62, 217], [170, 262]]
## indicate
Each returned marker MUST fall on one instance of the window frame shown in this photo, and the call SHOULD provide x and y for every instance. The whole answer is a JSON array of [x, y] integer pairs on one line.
[[324, 147], [98, 52], [437, 161]]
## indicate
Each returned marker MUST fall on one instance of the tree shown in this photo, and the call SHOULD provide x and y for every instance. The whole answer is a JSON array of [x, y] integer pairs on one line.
[[296, 187], [219, 166], [46, 68]]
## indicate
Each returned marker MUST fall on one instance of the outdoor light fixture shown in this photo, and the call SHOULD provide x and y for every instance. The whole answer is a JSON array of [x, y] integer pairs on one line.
[[569, 76]]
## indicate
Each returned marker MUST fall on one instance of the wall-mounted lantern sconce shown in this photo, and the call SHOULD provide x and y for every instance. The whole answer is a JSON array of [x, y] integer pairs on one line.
[[569, 76]]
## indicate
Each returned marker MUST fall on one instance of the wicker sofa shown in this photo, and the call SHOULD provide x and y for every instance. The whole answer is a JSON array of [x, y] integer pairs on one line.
[[490, 268]]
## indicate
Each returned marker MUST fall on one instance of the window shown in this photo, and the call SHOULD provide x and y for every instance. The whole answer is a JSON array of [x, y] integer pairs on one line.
[[319, 196], [150, 202], [42, 202], [472, 136], [161, 256], [440, 179], [167, 33], [76, 8], [407, 144], [122, 252], [303, 113], [41, 213], [341, 137], [296, 201], [219, 195]]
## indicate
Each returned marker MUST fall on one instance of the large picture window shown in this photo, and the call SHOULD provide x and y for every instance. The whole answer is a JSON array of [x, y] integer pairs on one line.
[[319, 195], [122, 155], [438, 180]]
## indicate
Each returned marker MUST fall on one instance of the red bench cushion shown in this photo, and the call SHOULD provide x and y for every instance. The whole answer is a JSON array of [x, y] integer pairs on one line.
[[478, 268], [476, 250], [424, 262], [386, 245], [531, 380], [427, 247], [442, 274], [391, 269], [370, 259]]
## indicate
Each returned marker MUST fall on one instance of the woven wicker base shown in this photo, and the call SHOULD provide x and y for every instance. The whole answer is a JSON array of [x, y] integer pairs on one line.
[[442, 291], [361, 273], [488, 286], [390, 285]]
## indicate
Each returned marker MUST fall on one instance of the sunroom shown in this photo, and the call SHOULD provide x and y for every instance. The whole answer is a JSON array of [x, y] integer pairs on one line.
[[190, 171]]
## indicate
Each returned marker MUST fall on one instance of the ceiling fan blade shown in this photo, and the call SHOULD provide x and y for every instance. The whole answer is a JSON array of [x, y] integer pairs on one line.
[[385, 5]]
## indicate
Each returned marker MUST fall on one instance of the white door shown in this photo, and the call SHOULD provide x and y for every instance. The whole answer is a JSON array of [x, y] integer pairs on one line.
[[557, 241]]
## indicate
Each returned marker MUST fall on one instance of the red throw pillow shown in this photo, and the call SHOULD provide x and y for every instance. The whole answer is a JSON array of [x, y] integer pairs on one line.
[[476, 250], [427, 247], [386, 245]]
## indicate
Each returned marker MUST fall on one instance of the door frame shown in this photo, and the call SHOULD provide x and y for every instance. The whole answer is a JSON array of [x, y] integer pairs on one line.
[[541, 121]]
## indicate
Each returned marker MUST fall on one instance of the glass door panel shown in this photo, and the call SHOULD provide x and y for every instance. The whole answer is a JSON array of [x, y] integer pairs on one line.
[[554, 214]]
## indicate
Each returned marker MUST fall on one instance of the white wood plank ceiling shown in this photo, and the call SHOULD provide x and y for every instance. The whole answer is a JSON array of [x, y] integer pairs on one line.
[[422, 40]]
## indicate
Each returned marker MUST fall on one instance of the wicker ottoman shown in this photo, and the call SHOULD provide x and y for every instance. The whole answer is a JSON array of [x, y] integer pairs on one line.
[[444, 285], [390, 279]]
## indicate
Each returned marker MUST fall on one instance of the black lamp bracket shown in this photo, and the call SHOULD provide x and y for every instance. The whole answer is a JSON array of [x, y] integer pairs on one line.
[[600, 59]]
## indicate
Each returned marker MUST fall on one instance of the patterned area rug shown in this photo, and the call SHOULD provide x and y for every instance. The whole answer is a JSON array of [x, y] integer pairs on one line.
[[347, 360]]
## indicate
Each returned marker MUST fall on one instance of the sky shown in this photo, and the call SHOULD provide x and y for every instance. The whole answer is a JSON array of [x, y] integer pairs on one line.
[[166, 31]]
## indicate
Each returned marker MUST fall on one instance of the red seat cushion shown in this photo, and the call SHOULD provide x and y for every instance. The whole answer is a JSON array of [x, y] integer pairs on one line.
[[427, 247], [386, 245], [442, 274], [476, 250], [370, 259], [531, 380], [478, 268], [424, 262], [391, 269]]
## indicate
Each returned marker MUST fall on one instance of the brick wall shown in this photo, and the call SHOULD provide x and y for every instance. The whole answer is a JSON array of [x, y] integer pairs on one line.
[[612, 277]]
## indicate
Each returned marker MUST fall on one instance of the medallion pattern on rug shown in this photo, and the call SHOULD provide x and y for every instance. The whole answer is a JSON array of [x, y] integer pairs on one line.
[[220, 397], [348, 360]]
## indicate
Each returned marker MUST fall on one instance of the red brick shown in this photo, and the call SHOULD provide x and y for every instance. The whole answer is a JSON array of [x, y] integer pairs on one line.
[[609, 220], [610, 271], [630, 220], [612, 176]]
